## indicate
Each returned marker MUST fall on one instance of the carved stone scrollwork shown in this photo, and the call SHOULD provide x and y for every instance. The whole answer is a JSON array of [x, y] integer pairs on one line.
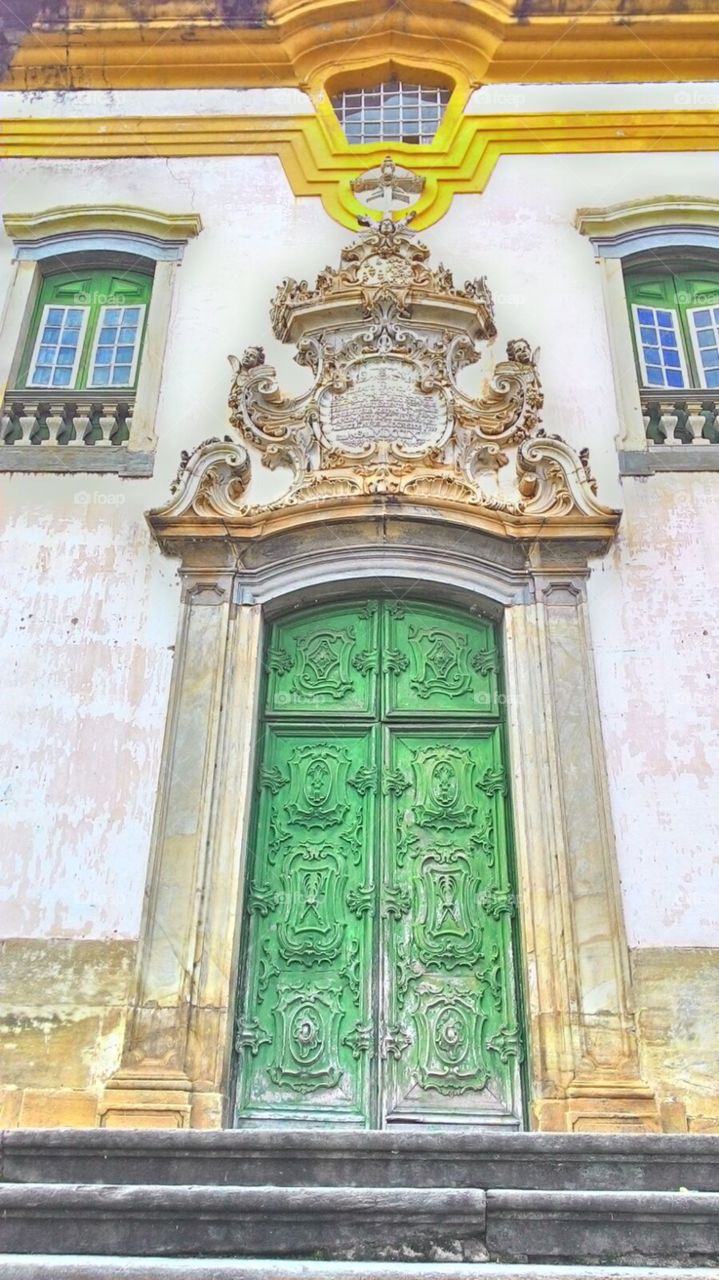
[[386, 336]]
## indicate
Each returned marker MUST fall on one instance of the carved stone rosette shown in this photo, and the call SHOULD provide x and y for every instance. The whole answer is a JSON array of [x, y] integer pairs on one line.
[[385, 336]]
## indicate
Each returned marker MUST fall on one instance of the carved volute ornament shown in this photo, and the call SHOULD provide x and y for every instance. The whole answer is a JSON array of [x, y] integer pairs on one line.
[[385, 423]]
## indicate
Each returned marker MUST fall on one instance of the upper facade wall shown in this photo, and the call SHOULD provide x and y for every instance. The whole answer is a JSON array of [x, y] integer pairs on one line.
[[88, 649]]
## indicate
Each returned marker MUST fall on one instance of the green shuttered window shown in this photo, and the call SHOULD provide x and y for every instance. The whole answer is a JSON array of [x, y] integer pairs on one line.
[[675, 326], [87, 331]]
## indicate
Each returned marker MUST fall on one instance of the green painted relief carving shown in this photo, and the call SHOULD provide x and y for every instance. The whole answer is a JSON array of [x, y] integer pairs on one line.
[[329, 667], [444, 787], [451, 662], [451, 977], [306, 1037], [377, 979], [311, 929]]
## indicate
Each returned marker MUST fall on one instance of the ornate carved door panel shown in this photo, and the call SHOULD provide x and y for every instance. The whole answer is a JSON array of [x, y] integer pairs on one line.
[[378, 980]]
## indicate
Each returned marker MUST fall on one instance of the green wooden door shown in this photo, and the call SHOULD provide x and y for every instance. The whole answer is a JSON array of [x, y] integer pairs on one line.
[[377, 981]]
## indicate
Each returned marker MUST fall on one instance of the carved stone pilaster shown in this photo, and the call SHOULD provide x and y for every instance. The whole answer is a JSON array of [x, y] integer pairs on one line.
[[177, 1027]]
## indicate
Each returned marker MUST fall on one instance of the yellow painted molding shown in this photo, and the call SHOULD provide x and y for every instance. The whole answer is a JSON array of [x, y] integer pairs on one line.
[[132, 44], [641, 215], [68, 220], [319, 162]]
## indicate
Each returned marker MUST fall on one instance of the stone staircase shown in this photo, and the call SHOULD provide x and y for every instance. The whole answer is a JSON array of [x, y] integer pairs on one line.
[[251, 1205]]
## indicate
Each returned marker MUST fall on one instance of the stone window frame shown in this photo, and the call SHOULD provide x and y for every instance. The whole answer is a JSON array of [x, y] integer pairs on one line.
[[148, 234], [671, 224]]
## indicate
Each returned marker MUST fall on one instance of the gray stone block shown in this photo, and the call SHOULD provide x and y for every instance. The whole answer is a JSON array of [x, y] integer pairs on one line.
[[19, 1267], [269, 1222], [590, 1227], [548, 1161]]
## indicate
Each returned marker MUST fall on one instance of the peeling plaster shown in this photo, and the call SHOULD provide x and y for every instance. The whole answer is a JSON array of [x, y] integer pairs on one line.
[[85, 701]]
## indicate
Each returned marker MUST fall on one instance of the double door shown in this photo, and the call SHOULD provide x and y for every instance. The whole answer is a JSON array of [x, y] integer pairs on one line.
[[377, 982]]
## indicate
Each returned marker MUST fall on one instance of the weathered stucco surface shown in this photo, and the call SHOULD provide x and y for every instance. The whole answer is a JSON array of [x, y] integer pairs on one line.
[[677, 996], [91, 606], [656, 627], [62, 1017], [77, 547]]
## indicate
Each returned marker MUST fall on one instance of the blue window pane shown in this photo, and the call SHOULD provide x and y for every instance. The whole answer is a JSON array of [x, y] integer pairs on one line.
[[132, 315], [108, 337], [101, 377], [45, 355], [702, 318], [713, 378], [665, 318], [113, 315], [645, 315], [710, 359], [54, 315], [671, 360], [66, 356], [104, 355], [125, 354], [649, 335], [655, 377], [128, 334], [651, 355], [706, 338], [675, 378], [51, 335], [61, 377], [121, 375], [74, 318], [41, 377], [669, 338]]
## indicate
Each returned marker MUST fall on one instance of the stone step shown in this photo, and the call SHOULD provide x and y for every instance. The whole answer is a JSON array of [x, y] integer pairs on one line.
[[271, 1222], [51, 1267], [543, 1161], [366, 1224]]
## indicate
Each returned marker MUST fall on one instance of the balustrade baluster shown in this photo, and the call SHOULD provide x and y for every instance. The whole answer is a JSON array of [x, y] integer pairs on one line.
[[29, 422]]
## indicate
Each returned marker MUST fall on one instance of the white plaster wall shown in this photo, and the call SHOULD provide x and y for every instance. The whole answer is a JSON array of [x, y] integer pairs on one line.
[[655, 623], [85, 700]]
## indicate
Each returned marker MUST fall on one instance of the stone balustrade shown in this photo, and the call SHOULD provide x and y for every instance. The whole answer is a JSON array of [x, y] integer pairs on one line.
[[693, 419], [35, 420]]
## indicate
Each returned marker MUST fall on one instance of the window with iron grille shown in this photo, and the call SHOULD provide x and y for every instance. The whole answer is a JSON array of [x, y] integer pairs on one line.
[[391, 112]]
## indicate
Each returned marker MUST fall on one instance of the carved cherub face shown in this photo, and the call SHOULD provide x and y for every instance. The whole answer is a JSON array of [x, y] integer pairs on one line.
[[252, 357], [520, 351]]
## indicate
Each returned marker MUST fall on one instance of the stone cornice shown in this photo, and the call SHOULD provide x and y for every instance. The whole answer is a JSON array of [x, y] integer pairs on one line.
[[631, 216], [72, 220], [302, 41]]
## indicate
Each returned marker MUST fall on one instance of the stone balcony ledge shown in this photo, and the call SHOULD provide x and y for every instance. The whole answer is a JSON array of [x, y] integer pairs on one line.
[[88, 432], [692, 417]]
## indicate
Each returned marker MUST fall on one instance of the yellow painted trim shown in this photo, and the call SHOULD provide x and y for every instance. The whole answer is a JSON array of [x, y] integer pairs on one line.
[[67, 220], [186, 44], [318, 162]]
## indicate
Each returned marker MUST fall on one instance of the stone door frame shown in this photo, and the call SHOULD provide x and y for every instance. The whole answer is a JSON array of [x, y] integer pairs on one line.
[[583, 1070]]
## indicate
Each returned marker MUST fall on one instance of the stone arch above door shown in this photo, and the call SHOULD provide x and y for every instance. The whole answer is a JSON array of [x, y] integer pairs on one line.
[[480, 510]]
